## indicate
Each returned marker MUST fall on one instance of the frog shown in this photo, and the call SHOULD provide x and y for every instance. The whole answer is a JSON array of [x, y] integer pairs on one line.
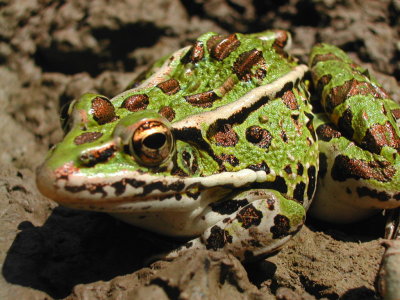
[[226, 142]]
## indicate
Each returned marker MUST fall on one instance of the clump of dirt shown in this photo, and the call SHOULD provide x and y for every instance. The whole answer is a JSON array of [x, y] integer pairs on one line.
[[53, 51]]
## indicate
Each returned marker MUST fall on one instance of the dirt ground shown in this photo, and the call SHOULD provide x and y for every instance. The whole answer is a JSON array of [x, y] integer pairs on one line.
[[53, 51]]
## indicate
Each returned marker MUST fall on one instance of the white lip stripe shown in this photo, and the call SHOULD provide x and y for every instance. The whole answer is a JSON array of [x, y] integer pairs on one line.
[[234, 179], [247, 100], [238, 178]]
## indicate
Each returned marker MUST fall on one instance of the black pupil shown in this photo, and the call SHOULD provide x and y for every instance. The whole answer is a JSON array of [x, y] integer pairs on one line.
[[155, 141]]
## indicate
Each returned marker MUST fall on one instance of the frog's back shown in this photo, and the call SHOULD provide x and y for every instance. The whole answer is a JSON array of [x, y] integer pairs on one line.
[[238, 98]]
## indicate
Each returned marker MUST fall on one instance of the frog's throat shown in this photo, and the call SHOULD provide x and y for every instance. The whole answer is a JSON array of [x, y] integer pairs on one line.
[[134, 186], [245, 102]]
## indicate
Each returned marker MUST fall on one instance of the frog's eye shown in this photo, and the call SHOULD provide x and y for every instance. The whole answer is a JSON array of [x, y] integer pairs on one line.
[[152, 142]]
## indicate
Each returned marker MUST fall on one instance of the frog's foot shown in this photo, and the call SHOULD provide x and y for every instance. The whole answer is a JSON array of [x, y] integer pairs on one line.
[[392, 229], [359, 140], [260, 228], [388, 280]]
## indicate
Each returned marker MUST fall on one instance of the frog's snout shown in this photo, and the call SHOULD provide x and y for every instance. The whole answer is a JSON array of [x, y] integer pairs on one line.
[[45, 181], [51, 183]]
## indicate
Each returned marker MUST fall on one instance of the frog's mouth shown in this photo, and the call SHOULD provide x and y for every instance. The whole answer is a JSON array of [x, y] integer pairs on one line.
[[133, 190]]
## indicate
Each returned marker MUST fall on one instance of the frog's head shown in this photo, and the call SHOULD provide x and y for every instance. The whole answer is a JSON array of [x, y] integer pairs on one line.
[[186, 129], [120, 159]]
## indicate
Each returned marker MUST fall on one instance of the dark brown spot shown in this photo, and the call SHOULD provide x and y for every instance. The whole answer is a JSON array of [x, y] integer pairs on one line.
[[228, 207], [284, 136], [103, 110], [176, 171], [281, 227], [220, 46], [345, 167], [167, 112], [91, 188], [337, 96], [287, 87], [290, 100], [195, 165], [323, 165], [379, 136], [326, 132], [312, 181], [270, 203], [186, 157], [120, 186], [345, 123], [230, 158], [225, 136], [362, 88], [195, 53], [298, 192], [300, 169], [396, 113], [259, 136], [218, 238], [176, 186], [322, 82], [281, 38], [205, 99], [95, 156], [245, 62], [170, 86], [249, 216], [295, 118], [87, 137], [279, 184], [136, 102], [193, 135], [350, 88], [310, 125], [262, 166], [324, 57], [366, 192], [288, 169]]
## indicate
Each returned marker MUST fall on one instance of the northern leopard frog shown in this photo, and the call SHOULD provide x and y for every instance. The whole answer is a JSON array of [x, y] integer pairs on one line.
[[219, 141]]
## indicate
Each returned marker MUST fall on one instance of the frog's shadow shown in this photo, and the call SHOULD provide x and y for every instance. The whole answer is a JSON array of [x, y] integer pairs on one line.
[[74, 247]]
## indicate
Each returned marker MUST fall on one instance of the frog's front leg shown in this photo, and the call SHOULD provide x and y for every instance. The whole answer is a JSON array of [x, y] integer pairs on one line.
[[259, 228]]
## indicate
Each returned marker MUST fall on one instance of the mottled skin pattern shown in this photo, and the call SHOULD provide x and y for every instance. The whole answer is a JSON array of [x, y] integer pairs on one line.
[[358, 140], [218, 142]]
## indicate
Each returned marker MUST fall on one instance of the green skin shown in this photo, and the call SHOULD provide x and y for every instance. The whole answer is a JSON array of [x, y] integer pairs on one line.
[[236, 162]]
